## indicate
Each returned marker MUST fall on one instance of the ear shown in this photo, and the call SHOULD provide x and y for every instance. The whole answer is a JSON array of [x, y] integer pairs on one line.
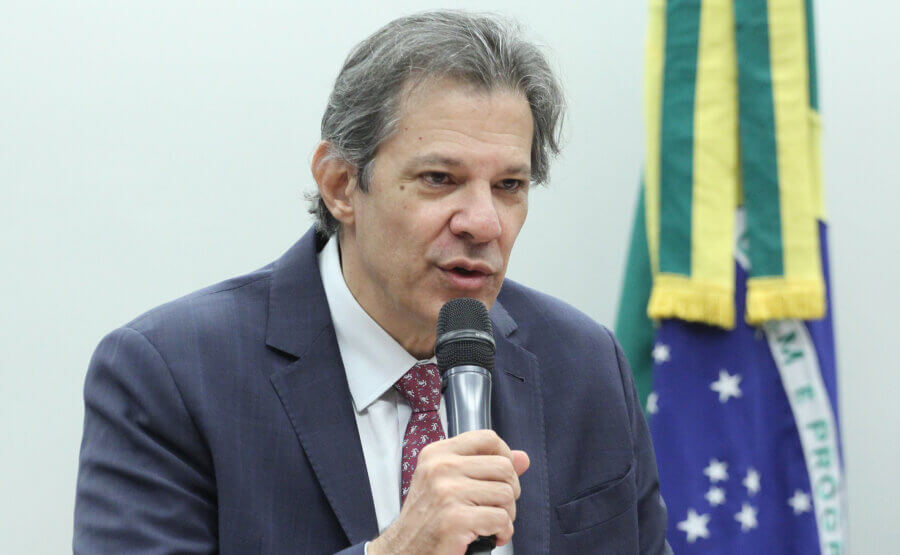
[[335, 178]]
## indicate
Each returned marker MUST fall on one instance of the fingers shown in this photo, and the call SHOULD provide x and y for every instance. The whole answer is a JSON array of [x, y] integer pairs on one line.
[[492, 468], [490, 521], [480, 455], [490, 494], [478, 442], [462, 488]]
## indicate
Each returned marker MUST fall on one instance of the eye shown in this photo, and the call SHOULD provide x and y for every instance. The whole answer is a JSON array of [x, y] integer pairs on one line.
[[512, 185], [436, 178]]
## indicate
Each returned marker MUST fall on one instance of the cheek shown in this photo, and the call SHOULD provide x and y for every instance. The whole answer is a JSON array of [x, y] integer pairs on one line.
[[423, 226], [512, 224], [407, 240]]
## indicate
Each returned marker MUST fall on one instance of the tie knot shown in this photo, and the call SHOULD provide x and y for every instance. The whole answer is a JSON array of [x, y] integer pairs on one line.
[[421, 387]]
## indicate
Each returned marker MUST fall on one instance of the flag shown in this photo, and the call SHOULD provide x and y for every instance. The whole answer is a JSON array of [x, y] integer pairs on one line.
[[725, 311]]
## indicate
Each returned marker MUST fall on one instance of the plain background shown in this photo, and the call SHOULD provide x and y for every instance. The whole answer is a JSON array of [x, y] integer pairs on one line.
[[149, 149]]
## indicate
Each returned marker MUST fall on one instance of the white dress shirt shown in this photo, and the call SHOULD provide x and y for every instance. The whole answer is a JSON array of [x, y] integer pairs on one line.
[[373, 361]]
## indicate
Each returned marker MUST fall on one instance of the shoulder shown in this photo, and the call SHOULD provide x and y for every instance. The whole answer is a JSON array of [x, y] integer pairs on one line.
[[172, 354], [206, 309], [198, 336]]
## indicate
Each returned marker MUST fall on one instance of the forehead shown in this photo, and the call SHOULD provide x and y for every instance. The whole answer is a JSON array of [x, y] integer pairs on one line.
[[463, 120]]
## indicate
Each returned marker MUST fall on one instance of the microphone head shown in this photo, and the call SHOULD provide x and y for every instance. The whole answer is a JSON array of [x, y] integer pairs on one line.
[[464, 335]]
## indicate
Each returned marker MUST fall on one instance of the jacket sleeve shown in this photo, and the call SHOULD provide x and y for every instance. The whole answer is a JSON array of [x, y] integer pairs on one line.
[[651, 507], [145, 480]]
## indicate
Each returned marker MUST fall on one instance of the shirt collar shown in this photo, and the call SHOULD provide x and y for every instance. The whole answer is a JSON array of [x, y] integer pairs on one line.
[[373, 360]]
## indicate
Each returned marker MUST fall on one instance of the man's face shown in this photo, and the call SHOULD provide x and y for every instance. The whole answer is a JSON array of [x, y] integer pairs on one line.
[[447, 198]]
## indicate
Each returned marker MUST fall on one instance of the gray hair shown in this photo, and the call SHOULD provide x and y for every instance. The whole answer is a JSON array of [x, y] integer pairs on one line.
[[481, 50]]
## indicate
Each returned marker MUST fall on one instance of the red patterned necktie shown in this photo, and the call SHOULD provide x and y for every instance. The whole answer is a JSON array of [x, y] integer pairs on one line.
[[421, 387]]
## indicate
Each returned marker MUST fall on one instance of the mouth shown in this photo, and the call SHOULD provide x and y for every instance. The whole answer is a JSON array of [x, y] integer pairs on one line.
[[466, 275], [464, 272]]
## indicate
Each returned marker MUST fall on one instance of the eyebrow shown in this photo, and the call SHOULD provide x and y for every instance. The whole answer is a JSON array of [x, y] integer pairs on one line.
[[434, 159], [439, 160]]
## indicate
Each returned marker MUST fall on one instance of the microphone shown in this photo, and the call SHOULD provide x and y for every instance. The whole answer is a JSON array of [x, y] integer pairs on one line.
[[465, 357]]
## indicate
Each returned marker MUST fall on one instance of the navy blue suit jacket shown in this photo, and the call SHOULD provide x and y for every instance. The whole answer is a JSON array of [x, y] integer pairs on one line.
[[223, 422]]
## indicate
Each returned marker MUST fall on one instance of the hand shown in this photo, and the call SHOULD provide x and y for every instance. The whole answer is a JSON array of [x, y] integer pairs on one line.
[[463, 487]]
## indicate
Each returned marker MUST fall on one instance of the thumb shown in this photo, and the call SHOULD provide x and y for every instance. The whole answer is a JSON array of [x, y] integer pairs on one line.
[[520, 461]]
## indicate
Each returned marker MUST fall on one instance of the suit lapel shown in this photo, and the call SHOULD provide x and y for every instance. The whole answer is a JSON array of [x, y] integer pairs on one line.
[[313, 390], [518, 417], [315, 395]]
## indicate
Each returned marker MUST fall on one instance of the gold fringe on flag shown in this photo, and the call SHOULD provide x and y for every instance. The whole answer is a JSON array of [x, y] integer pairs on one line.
[[711, 150]]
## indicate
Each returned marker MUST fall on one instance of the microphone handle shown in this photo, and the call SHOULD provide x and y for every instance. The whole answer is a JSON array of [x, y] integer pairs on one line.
[[468, 400], [467, 396]]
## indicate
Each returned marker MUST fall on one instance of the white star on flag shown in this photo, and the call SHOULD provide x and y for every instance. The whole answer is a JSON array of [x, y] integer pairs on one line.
[[694, 526], [652, 403], [715, 496], [751, 481], [727, 386], [800, 502], [747, 518], [717, 471], [660, 353]]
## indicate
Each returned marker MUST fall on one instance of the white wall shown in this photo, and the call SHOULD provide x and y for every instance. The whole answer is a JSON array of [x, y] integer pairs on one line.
[[148, 149]]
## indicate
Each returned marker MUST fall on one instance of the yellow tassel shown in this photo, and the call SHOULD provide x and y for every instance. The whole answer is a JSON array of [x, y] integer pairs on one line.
[[676, 296], [780, 299]]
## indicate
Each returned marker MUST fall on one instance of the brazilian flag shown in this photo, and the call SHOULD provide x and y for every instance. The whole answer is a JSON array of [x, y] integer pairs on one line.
[[725, 310]]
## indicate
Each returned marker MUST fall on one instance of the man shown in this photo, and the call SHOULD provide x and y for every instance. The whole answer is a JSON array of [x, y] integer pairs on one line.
[[269, 413]]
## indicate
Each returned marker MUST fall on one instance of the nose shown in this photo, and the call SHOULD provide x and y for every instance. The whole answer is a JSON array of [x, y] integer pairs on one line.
[[476, 218]]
